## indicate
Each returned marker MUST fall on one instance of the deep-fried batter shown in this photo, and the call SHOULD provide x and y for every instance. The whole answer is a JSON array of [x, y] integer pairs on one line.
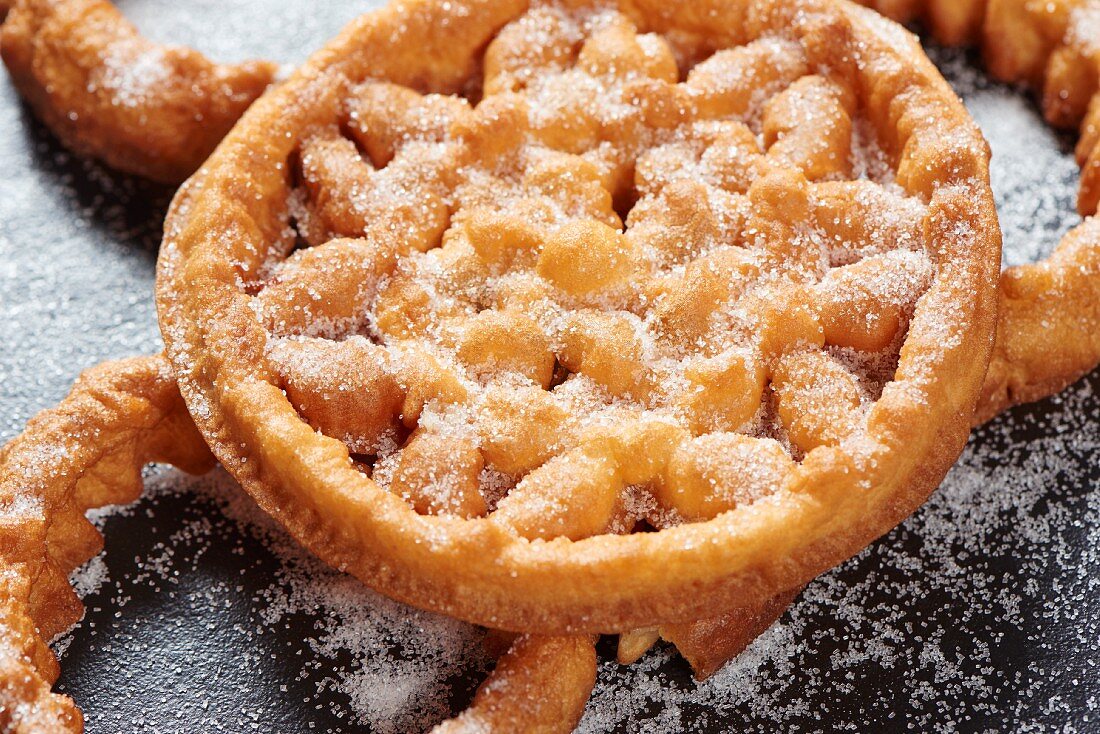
[[107, 92]]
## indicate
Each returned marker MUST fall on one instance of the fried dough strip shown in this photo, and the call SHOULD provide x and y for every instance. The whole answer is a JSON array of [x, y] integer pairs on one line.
[[107, 92], [85, 453], [541, 685], [1048, 334], [1049, 45]]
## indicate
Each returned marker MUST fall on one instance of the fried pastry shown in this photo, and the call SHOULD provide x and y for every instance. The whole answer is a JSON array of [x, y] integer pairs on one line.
[[705, 644], [107, 92], [85, 453], [421, 336], [1049, 331], [541, 685]]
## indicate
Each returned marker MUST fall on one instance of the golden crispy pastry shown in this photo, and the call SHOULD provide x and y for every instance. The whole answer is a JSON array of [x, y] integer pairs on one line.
[[541, 685], [107, 92], [462, 371], [87, 452]]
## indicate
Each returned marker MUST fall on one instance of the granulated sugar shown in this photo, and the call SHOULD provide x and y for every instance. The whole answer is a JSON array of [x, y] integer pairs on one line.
[[391, 664]]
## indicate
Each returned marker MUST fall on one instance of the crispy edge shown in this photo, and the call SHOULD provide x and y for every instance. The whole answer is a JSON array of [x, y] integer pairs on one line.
[[86, 452], [107, 92], [541, 685]]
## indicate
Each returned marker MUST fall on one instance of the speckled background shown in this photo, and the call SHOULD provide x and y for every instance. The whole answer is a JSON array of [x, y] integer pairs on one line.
[[980, 613]]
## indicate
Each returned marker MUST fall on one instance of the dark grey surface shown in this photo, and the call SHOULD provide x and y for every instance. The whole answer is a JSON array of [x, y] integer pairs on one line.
[[980, 613]]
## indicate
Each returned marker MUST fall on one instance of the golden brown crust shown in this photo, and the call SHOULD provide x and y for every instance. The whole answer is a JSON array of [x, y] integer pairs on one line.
[[832, 504], [710, 643], [541, 685], [87, 452], [1048, 334], [107, 92]]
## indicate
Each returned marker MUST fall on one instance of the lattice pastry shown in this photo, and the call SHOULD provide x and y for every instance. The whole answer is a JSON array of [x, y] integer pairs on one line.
[[483, 291]]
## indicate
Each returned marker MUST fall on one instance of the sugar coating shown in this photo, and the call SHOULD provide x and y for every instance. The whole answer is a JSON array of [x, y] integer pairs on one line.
[[132, 80], [601, 237], [385, 664]]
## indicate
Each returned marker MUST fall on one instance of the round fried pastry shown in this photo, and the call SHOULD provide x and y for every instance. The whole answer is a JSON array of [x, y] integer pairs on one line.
[[558, 134]]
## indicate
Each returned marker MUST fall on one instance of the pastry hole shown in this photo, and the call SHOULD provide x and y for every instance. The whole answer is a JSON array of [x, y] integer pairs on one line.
[[473, 89], [307, 229], [559, 376], [346, 131], [363, 462], [623, 200], [767, 423], [873, 369]]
